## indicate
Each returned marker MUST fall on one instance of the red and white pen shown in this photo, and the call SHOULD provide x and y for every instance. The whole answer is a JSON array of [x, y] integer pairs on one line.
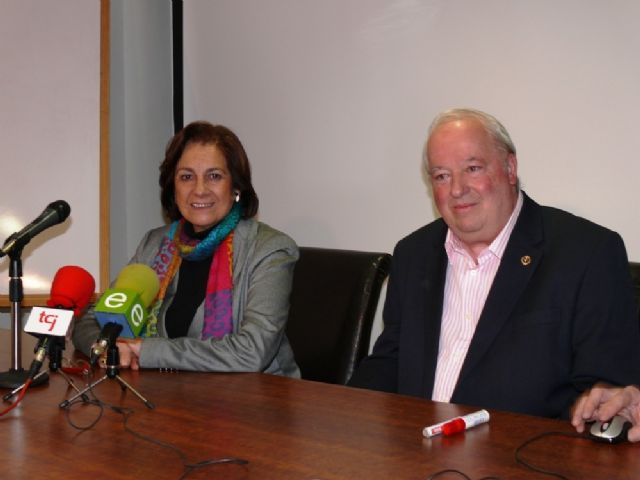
[[458, 424]]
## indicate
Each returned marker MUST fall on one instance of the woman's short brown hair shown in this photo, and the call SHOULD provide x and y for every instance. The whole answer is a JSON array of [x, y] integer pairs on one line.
[[204, 133]]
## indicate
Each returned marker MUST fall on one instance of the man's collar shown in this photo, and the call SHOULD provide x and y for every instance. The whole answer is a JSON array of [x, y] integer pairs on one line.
[[453, 244]]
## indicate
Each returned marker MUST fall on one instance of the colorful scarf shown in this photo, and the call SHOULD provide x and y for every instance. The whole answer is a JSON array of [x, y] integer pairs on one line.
[[218, 308]]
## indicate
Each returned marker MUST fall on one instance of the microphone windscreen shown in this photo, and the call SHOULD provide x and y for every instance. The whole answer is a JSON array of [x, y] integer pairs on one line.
[[140, 278], [61, 208], [72, 288]]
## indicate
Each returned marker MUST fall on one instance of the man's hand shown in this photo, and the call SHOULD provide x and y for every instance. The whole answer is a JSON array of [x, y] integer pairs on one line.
[[603, 402]]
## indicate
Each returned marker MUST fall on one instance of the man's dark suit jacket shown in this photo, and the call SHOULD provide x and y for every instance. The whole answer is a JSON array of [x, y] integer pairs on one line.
[[559, 316]]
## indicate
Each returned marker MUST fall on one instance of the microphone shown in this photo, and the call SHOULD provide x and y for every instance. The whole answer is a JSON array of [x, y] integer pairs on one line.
[[71, 291], [108, 336], [56, 212], [127, 301]]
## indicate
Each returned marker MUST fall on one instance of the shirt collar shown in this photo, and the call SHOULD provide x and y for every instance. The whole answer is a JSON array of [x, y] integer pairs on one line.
[[454, 246]]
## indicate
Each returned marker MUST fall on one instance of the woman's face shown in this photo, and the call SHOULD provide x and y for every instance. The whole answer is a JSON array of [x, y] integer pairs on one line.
[[203, 186]]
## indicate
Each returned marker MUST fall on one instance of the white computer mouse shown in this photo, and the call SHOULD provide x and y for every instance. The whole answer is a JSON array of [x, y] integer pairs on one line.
[[612, 431]]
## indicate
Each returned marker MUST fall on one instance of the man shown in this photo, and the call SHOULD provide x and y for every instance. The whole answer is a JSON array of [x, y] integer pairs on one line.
[[501, 303], [603, 402]]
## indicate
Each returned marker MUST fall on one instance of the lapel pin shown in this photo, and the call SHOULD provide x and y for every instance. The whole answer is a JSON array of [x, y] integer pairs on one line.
[[525, 260]]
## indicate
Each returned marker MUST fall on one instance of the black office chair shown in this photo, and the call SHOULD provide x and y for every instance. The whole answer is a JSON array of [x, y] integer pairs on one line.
[[333, 302]]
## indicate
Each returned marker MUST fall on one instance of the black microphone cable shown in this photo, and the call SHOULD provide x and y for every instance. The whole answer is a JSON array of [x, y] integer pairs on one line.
[[126, 414], [457, 472], [528, 465], [518, 458]]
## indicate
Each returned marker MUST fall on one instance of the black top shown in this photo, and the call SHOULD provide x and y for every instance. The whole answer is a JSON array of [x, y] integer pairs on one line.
[[192, 286]]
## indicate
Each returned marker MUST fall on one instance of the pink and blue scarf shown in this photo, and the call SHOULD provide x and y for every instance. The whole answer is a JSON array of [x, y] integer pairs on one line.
[[218, 300]]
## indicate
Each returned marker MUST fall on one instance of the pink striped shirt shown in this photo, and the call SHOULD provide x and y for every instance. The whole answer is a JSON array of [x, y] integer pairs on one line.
[[465, 292]]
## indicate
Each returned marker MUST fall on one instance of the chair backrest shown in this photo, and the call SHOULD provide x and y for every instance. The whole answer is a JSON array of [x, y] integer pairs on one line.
[[333, 302], [635, 275]]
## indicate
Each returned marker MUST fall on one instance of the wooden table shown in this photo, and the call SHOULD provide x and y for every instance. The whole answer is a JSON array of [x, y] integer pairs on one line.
[[286, 429]]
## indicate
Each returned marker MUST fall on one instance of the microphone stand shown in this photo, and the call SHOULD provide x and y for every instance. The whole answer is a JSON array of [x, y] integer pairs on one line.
[[112, 373], [55, 348], [17, 375]]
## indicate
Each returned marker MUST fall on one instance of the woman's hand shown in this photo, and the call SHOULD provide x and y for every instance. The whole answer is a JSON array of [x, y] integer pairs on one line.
[[129, 352]]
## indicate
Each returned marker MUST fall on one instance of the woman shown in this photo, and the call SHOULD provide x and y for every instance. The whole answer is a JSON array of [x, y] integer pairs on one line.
[[225, 278]]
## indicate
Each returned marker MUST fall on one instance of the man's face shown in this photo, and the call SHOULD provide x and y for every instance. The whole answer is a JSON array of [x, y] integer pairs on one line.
[[473, 180]]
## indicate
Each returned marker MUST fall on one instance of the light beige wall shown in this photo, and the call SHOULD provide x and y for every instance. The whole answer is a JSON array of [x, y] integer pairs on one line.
[[50, 133], [332, 100], [141, 122]]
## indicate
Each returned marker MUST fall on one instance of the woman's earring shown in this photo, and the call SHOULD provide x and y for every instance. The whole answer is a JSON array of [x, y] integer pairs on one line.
[[237, 197]]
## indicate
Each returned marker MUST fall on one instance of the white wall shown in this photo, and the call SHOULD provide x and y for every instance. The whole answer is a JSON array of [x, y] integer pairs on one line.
[[332, 100], [141, 120], [50, 133]]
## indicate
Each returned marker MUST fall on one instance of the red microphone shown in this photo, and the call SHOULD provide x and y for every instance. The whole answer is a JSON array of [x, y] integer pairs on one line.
[[71, 289]]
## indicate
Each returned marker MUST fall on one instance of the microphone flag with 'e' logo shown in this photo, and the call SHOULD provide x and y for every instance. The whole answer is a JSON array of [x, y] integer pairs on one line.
[[127, 301]]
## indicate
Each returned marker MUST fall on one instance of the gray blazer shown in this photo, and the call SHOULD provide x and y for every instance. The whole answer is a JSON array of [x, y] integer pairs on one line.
[[263, 262]]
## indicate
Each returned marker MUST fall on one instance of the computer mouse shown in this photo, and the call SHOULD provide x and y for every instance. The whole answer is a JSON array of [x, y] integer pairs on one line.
[[612, 431]]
